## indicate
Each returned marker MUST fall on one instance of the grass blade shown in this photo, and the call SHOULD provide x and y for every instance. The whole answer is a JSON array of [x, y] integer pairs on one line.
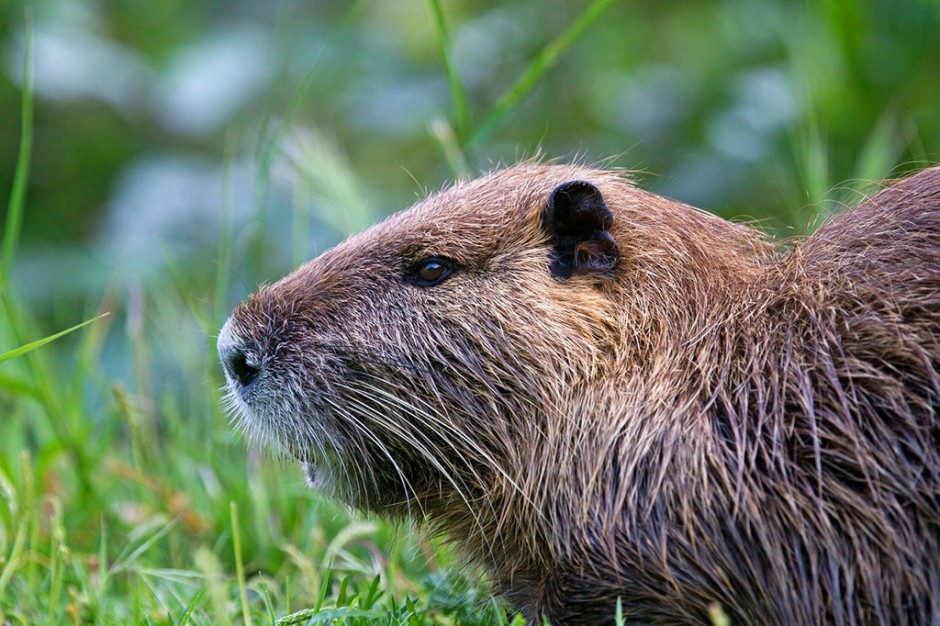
[[457, 93], [239, 564], [327, 178], [41, 342], [17, 554], [814, 179], [543, 61], [184, 616], [881, 151], [18, 191], [324, 589], [447, 139], [223, 266], [103, 572]]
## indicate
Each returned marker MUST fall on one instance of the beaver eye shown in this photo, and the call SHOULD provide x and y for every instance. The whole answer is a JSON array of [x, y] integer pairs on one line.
[[431, 271]]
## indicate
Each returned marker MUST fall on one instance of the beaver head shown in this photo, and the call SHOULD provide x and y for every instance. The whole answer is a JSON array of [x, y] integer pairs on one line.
[[401, 365]]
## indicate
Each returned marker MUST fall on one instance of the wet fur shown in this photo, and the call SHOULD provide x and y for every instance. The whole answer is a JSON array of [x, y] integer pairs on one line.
[[713, 420]]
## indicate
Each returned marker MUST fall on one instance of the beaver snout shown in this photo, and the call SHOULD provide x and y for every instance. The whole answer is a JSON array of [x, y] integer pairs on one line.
[[240, 365]]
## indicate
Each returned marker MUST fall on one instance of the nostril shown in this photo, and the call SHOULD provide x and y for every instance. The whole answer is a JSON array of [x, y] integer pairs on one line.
[[239, 367]]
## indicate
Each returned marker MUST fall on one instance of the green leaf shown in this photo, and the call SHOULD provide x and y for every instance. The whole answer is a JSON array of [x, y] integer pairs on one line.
[[543, 61], [41, 342]]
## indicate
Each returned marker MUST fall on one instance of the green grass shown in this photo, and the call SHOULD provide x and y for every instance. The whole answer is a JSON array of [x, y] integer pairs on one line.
[[14, 219], [126, 496]]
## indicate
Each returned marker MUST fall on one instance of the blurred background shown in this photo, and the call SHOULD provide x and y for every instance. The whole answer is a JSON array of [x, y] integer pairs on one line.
[[183, 152]]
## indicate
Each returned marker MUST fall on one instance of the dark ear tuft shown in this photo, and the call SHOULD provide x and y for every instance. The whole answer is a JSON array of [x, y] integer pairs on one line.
[[579, 221]]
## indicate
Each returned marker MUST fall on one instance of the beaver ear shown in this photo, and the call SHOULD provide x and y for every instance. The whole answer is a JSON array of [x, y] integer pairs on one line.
[[579, 221]]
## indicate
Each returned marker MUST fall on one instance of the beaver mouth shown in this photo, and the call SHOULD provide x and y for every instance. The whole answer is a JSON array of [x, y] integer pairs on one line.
[[253, 415]]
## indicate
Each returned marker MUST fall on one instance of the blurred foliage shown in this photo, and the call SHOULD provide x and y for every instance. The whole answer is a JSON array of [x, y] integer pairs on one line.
[[183, 152]]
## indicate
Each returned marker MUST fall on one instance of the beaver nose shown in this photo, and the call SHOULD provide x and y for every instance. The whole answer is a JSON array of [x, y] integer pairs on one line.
[[238, 365], [241, 368]]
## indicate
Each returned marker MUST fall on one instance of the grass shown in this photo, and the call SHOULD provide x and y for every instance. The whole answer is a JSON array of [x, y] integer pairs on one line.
[[127, 497], [14, 219]]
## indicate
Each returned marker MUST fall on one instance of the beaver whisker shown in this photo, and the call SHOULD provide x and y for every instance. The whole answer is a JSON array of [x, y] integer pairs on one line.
[[452, 468], [365, 458], [440, 463], [474, 452], [407, 436]]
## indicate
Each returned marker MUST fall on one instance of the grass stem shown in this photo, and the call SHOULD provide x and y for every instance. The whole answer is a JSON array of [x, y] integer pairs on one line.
[[14, 219], [543, 61], [458, 95], [239, 565]]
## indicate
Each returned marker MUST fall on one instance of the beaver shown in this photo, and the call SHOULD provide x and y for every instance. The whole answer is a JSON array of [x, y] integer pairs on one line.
[[604, 397]]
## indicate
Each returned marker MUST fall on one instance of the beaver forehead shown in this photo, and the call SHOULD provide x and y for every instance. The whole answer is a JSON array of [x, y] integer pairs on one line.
[[466, 222], [469, 222], [502, 198]]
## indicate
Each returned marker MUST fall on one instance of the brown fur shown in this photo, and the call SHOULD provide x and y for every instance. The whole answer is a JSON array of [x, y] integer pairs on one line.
[[715, 420]]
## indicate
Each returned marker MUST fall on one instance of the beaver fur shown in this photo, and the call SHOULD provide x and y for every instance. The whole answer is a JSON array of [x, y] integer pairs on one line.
[[600, 394]]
